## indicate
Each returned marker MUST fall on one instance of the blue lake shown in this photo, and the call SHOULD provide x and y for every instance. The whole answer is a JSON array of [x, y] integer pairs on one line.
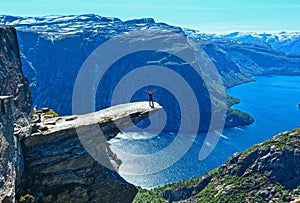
[[271, 100]]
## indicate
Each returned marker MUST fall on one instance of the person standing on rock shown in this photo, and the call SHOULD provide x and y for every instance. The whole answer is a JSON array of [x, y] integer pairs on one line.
[[150, 94]]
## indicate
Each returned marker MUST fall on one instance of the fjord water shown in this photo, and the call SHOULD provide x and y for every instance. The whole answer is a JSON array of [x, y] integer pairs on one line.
[[271, 100]]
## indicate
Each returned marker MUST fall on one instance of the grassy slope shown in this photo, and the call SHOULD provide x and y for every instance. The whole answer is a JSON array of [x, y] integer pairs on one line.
[[227, 184]]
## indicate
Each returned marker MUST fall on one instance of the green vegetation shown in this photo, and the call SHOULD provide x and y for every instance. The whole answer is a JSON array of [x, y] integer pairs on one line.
[[230, 100], [253, 188], [147, 196], [50, 114], [27, 198], [237, 118], [228, 183], [107, 118]]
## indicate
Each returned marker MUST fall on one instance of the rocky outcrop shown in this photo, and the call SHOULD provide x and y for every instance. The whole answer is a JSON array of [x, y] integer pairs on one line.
[[186, 192], [267, 172], [13, 83], [15, 111], [59, 168], [42, 158]]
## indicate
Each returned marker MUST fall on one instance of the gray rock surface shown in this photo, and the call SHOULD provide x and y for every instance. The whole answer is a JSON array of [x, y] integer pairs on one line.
[[43, 156], [7, 153], [60, 169], [16, 108]]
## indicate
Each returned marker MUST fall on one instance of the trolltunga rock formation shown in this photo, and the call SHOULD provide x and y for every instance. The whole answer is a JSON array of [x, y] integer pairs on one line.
[[58, 164], [43, 156]]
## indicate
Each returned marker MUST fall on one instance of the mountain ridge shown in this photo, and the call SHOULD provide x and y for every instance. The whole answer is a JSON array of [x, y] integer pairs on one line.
[[53, 52], [286, 42]]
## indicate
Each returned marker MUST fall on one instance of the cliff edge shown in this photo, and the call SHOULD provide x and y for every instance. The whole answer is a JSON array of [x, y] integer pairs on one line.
[[58, 167], [15, 110], [42, 158]]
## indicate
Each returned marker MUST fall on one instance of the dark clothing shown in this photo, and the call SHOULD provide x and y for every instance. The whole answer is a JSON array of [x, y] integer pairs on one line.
[[150, 94]]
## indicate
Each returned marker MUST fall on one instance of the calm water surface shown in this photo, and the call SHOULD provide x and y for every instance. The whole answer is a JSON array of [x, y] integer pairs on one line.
[[271, 100]]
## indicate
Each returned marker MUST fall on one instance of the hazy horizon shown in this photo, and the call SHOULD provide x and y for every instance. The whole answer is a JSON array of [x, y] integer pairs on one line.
[[213, 16]]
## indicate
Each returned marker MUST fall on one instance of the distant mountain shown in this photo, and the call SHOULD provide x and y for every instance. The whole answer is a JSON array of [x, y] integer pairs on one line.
[[267, 172], [238, 60], [287, 42], [53, 48]]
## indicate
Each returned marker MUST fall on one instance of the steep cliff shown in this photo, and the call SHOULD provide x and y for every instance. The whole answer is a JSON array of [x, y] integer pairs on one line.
[[267, 172], [61, 157], [16, 108], [43, 158], [8, 162]]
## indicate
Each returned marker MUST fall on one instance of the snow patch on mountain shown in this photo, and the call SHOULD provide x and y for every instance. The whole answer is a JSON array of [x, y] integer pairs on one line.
[[287, 42]]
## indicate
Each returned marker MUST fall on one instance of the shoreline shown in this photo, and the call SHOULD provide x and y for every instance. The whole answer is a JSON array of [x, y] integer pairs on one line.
[[238, 101]]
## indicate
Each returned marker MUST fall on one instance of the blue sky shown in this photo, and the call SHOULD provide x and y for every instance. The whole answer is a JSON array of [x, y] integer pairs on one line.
[[204, 15]]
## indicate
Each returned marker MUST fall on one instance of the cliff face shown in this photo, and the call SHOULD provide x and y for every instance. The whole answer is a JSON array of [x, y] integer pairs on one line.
[[15, 112], [13, 82], [45, 157], [267, 172], [8, 162], [59, 168]]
